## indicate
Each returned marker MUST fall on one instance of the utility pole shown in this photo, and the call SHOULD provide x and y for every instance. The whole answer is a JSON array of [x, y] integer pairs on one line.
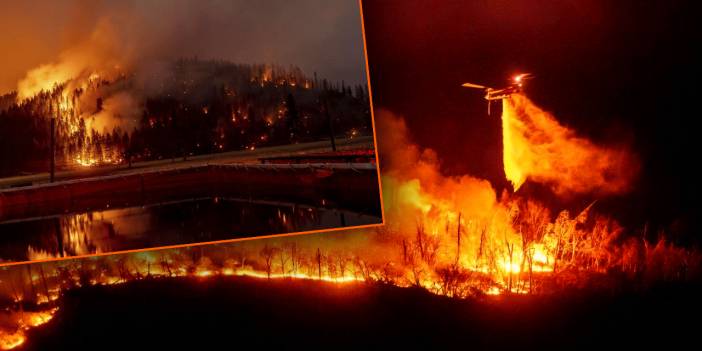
[[331, 125], [53, 149], [59, 235]]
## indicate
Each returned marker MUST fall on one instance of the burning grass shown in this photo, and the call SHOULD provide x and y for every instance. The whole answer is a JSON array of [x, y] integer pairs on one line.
[[15, 324]]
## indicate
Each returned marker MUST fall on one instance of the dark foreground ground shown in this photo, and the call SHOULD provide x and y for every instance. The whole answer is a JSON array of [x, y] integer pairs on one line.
[[243, 313]]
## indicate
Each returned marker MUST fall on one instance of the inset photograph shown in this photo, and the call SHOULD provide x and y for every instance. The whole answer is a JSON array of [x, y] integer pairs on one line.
[[539, 193], [135, 125]]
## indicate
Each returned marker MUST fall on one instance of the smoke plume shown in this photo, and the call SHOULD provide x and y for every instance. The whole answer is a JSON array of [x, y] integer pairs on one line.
[[106, 37]]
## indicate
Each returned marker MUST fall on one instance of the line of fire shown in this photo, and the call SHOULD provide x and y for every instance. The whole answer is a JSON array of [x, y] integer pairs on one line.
[[520, 227]]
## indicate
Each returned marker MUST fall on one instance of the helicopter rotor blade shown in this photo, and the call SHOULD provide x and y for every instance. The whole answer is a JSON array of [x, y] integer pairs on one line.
[[471, 85]]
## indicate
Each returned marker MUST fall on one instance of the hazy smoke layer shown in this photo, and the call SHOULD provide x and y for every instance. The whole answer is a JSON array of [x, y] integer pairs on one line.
[[415, 189], [76, 37]]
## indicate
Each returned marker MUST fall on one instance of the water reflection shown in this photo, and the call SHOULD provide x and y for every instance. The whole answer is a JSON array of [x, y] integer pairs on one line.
[[178, 222]]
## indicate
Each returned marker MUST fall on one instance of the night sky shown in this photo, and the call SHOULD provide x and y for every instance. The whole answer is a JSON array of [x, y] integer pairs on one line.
[[618, 72]]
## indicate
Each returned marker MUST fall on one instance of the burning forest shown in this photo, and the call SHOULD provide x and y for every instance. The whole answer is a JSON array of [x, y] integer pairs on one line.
[[192, 107], [122, 88]]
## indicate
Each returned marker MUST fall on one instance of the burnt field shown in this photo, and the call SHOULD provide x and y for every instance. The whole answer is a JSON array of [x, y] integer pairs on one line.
[[232, 312]]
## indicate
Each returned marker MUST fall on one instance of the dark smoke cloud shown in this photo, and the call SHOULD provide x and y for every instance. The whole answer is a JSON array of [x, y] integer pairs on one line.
[[316, 35]]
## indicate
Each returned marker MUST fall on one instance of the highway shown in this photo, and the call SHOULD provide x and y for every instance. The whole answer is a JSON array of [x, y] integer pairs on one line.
[[240, 156]]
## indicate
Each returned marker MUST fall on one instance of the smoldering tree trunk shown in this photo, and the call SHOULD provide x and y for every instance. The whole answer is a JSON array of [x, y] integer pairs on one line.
[[319, 264], [293, 257], [530, 263], [31, 282], [168, 268], [479, 256], [420, 240], [282, 262], [458, 239], [342, 266], [405, 256], [510, 250], [269, 268], [15, 291], [525, 253], [557, 254], [43, 280]]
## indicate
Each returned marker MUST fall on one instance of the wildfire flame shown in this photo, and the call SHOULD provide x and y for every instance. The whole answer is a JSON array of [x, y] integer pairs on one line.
[[96, 55], [24, 320], [68, 85], [9, 341]]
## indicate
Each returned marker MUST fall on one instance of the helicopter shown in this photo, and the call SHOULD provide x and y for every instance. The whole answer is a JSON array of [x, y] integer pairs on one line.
[[492, 94]]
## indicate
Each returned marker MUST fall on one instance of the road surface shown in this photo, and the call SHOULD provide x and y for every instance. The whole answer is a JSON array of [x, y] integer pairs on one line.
[[240, 156]]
